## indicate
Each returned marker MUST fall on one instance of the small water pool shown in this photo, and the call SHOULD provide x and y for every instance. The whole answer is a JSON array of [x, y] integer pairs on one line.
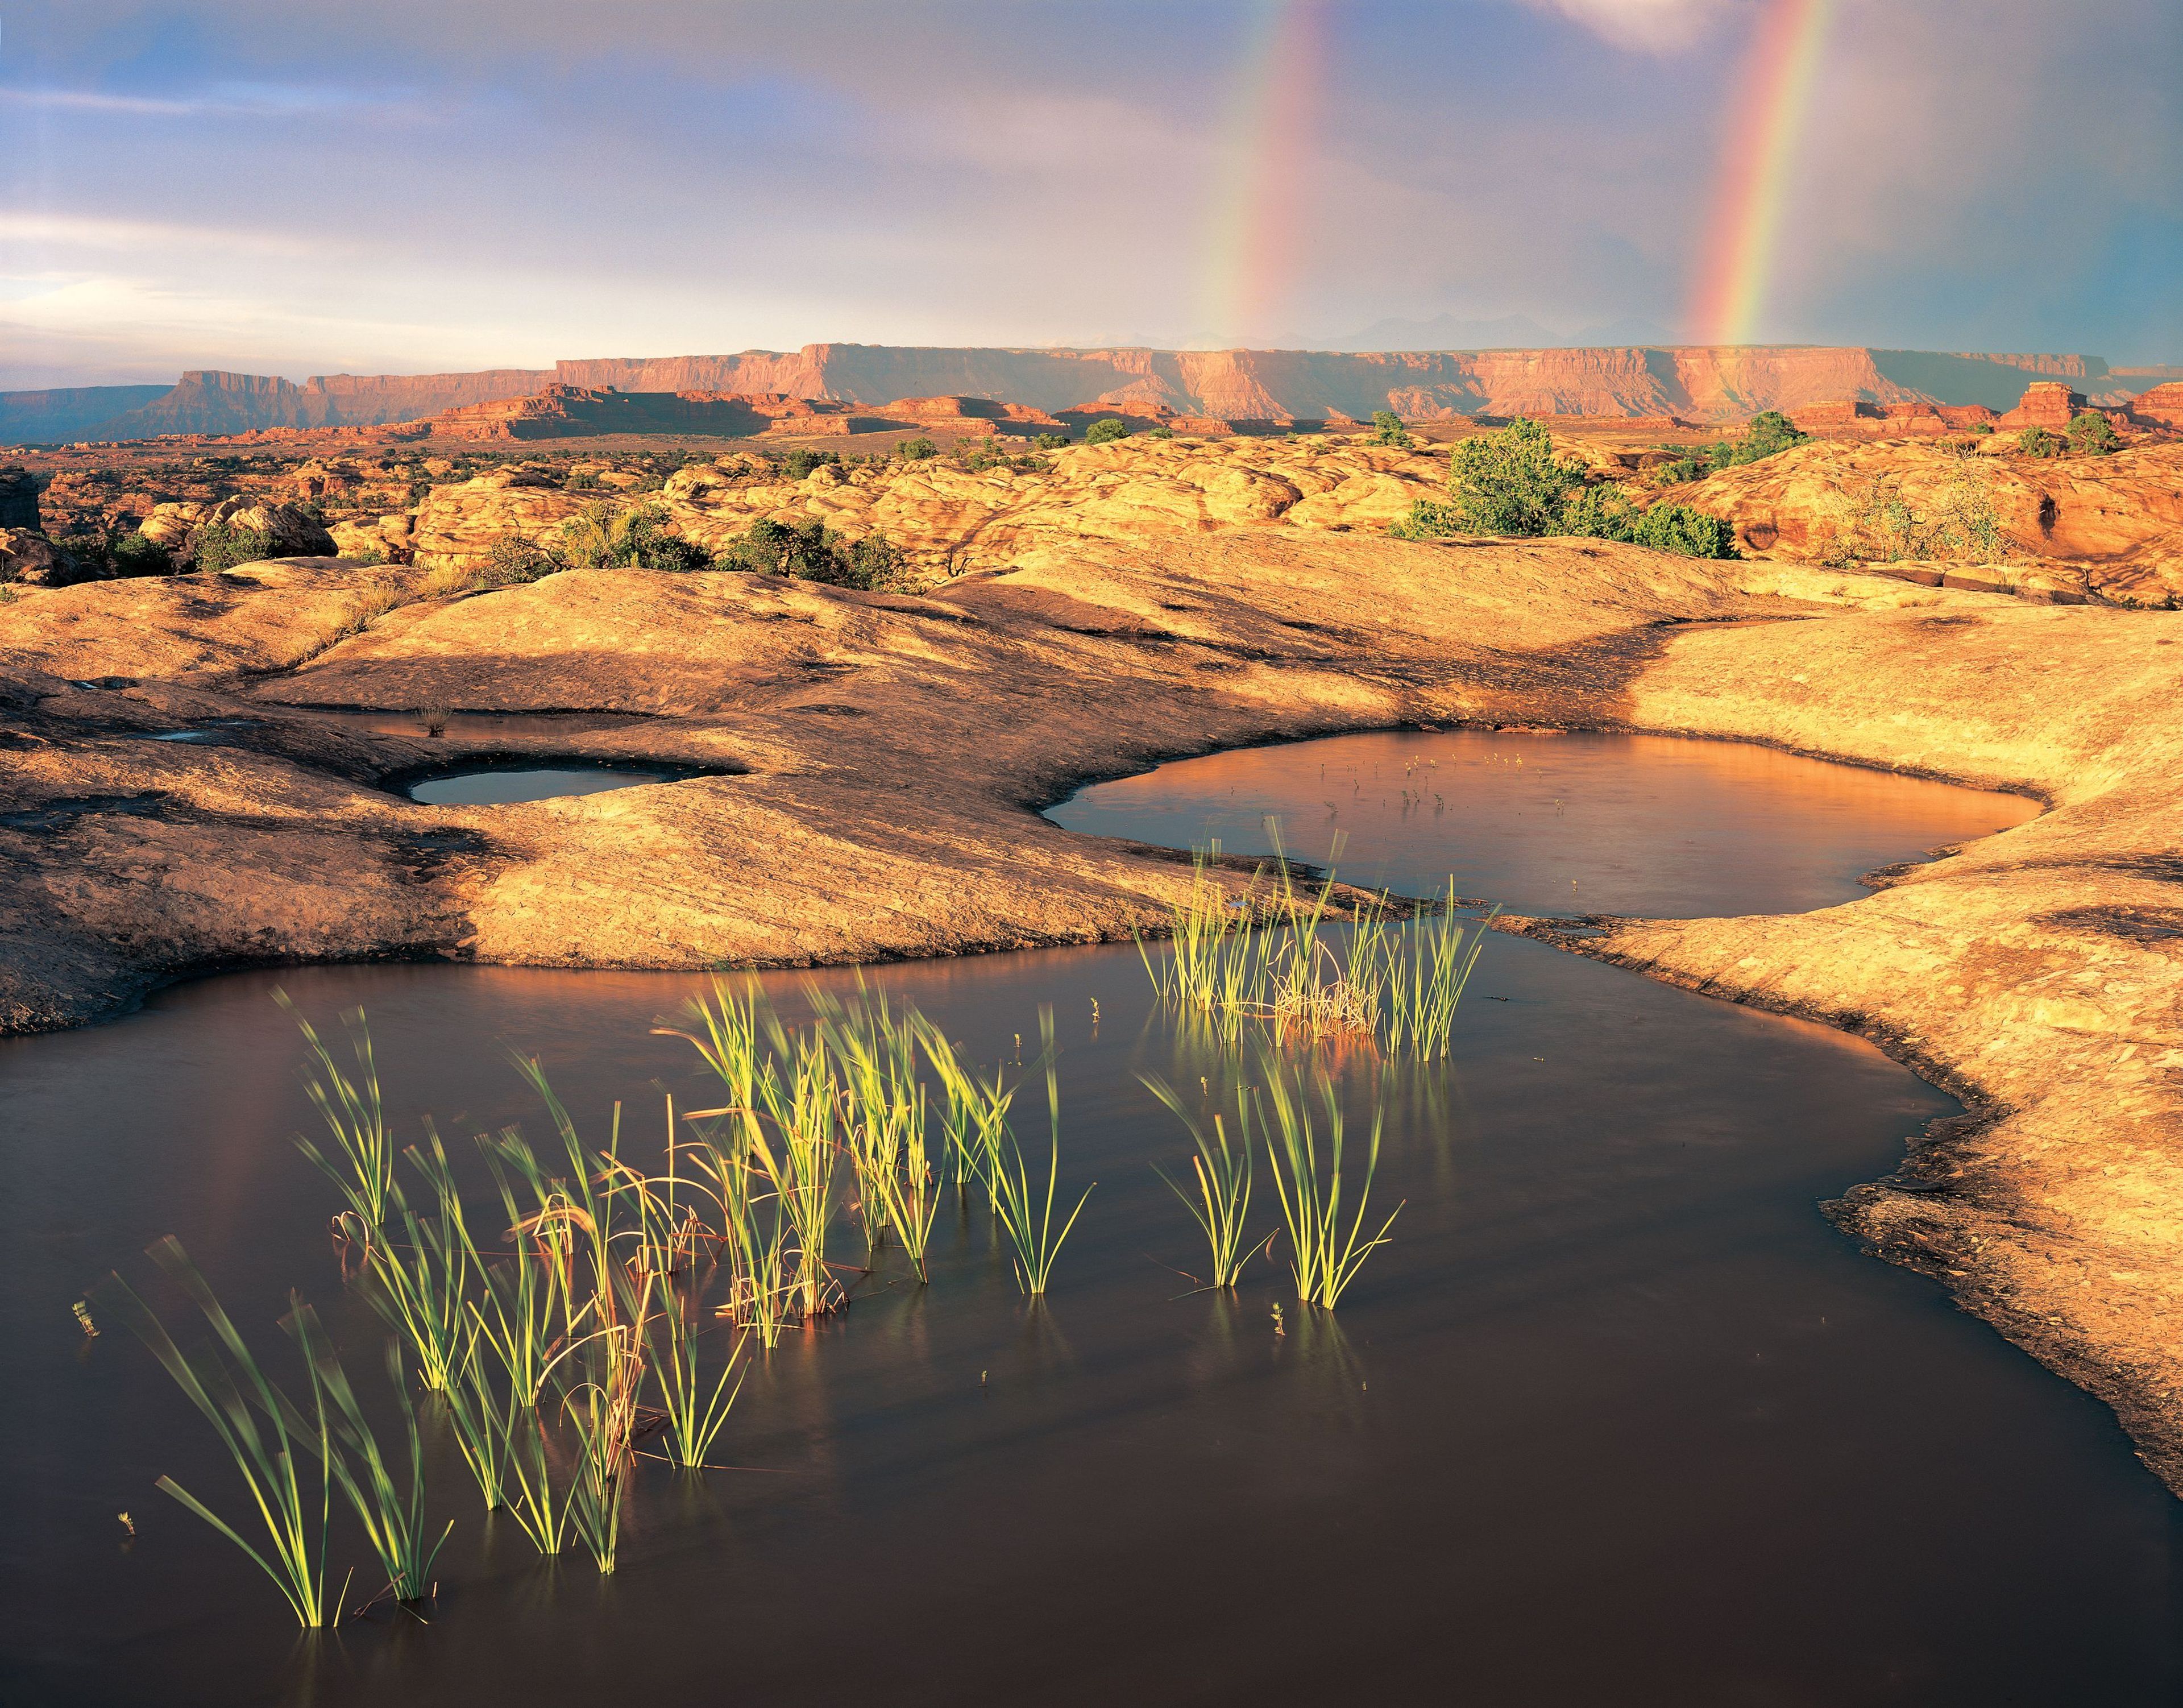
[[502, 780]]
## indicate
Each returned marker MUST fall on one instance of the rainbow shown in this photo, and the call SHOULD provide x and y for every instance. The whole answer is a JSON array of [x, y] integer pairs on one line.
[[1756, 170], [1255, 235]]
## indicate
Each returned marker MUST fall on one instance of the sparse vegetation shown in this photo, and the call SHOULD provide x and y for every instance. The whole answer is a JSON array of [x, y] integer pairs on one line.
[[916, 450], [2093, 435], [1770, 433], [1512, 482], [2037, 441], [642, 537], [219, 546], [1050, 442], [1106, 430], [1162, 432], [801, 461], [1387, 429], [1875, 522], [814, 552]]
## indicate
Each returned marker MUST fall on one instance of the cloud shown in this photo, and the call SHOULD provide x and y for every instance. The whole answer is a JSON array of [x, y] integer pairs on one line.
[[235, 102], [1655, 27]]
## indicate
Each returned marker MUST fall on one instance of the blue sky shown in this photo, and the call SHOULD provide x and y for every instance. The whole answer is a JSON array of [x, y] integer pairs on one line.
[[391, 185]]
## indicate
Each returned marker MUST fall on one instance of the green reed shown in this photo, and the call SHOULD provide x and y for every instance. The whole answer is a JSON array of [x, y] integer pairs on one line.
[[1327, 1254], [603, 1410], [393, 1520], [1025, 1213], [1222, 1170], [254, 1421], [695, 1412], [417, 1268], [355, 1118]]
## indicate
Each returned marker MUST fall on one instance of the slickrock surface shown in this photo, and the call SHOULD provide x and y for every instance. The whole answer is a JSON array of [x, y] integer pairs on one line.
[[894, 750], [2110, 526]]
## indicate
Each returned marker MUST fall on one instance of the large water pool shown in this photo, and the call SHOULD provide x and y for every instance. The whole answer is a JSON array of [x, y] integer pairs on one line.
[[1620, 1417]]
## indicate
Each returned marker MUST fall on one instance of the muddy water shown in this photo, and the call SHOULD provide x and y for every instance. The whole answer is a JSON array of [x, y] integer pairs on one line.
[[1618, 1418]]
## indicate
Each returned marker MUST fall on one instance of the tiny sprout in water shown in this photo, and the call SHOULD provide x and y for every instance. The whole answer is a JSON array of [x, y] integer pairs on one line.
[[127, 1523], [1278, 1329]]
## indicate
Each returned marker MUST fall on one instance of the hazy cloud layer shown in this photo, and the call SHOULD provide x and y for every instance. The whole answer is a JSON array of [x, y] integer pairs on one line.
[[397, 185]]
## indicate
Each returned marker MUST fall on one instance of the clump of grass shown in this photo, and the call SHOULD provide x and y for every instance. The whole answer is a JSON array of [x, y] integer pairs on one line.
[[1326, 1253], [1273, 957], [1222, 1170], [262, 1430], [355, 1118], [393, 1520], [1025, 1212]]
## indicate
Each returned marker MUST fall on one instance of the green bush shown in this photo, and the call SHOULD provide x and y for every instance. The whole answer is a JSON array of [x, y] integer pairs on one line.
[[2037, 441], [2093, 434], [1050, 442], [642, 538], [1387, 429], [801, 462], [219, 546], [1106, 430], [916, 450], [1770, 433], [812, 552], [1162, 432], [1511, 482]]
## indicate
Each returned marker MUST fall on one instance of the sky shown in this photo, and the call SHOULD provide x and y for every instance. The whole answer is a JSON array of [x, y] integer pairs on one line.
[[300, 186]]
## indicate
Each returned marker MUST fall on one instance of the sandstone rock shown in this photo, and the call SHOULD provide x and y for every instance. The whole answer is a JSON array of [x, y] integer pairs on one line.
[[2047, 403], [32, 561], [171, 524], [2162, 405], [458, 524], [19, 499], [2113, 523], [293, 533]]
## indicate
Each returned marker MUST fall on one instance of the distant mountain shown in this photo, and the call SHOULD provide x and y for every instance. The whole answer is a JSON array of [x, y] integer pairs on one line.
[[71, 413], [1456, 373]]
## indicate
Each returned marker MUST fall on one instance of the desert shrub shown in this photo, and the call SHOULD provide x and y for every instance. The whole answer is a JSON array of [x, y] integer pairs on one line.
[[513, 560], [1511, 482], [1983, 428], [641, 538], [1876, 523], [801, 462], [1162, 432], [1050, 442], [1770, 433], [218, 546], [1387, 429], [979, 458], [1679, 529], [916, 450], [2093, 434], [2037, 441], [581, 480], [1106, 430], [813, 552]]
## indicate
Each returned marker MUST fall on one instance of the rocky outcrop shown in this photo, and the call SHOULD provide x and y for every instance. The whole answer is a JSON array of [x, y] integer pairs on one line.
[[944, 517], [2047, 403], [2162, 406], [2103, 527], [458, 524], [32, 561], [292, 533], [19, 499]]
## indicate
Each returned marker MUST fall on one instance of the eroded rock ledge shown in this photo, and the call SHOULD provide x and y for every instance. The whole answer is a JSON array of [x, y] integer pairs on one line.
[[896, 748]]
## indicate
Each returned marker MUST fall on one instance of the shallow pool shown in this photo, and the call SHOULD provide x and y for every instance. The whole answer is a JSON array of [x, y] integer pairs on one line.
[[1618, 1417], [502, 781]]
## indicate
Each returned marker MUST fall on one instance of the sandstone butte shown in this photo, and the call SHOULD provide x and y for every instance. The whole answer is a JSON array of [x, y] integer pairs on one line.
[[884, 755], [1715, 383]]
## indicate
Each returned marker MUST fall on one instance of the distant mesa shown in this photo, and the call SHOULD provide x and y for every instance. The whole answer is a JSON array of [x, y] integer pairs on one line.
[[843, 389]]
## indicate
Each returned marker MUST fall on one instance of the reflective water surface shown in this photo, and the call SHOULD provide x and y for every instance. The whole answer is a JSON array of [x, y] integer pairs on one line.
[[502, 781], [1619, 1417], [1548, 823]]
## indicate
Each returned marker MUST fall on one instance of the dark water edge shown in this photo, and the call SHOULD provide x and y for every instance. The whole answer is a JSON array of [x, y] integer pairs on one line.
[[1619, 1417]]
